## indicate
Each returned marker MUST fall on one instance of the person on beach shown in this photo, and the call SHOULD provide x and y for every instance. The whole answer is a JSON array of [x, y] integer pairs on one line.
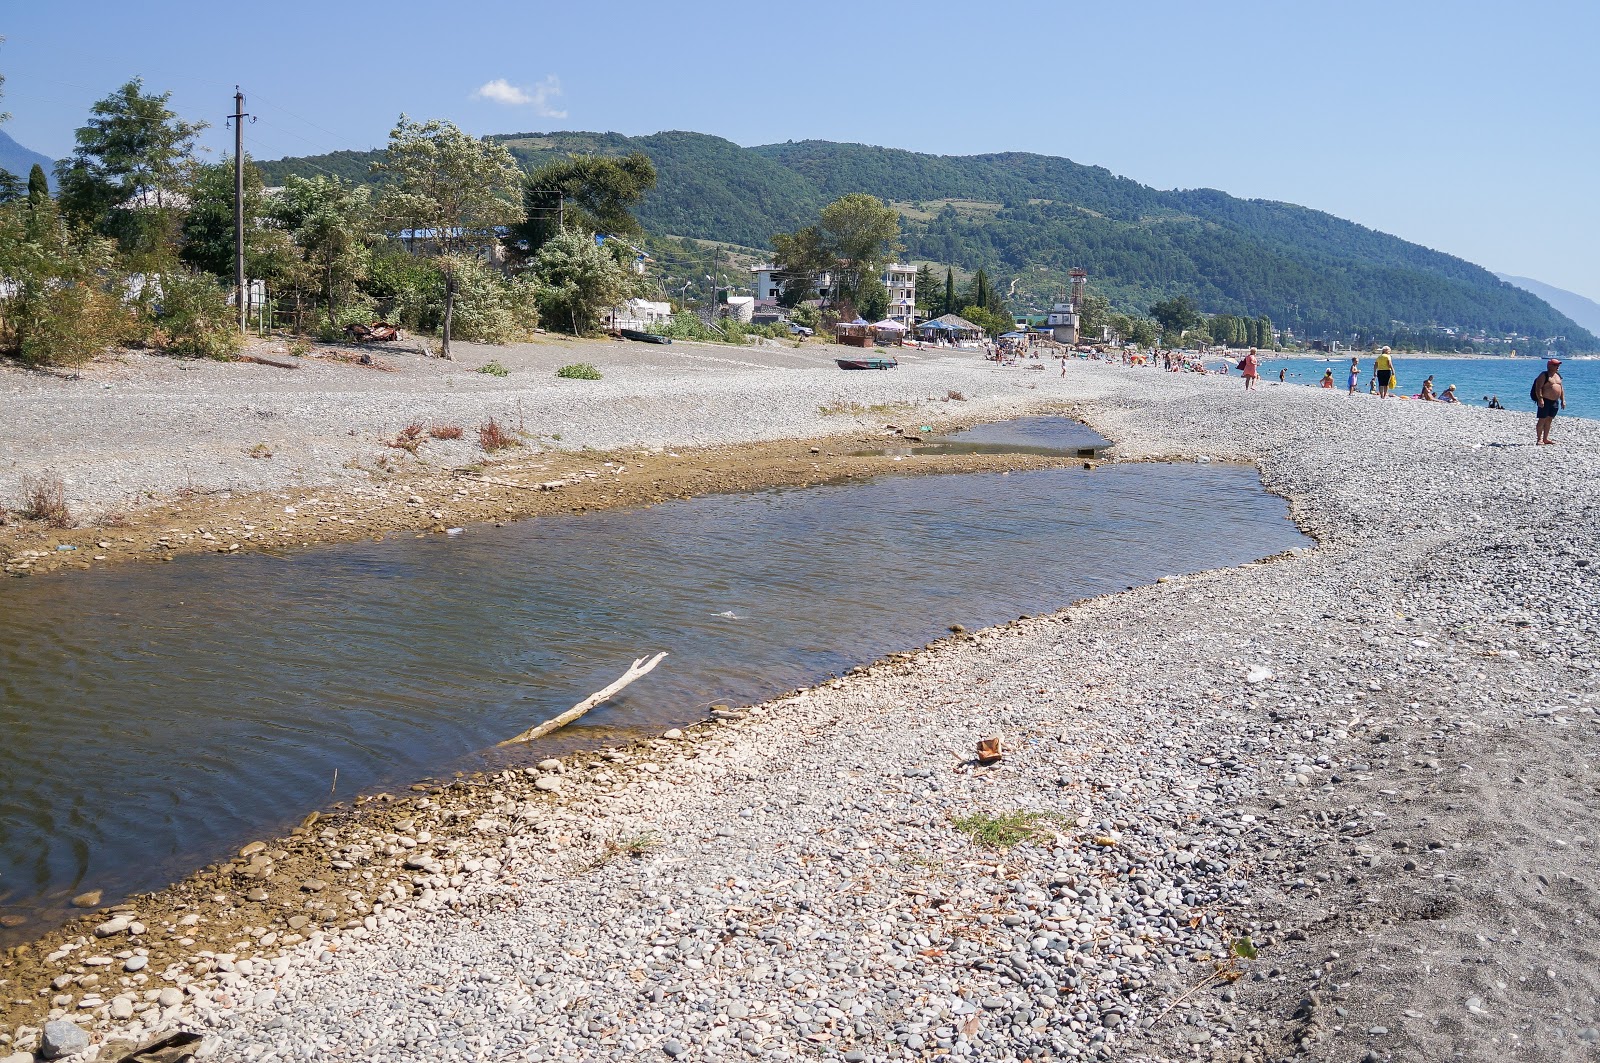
[[1426, 394], [1327, 379], [1551, 398], [1383, 372], [1281, 374], [1355, 374], [1248, 368], [1494, 402], [1449, 394]]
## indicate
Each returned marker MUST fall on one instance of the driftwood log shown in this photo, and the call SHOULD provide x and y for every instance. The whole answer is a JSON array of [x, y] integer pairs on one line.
[[640, 667]]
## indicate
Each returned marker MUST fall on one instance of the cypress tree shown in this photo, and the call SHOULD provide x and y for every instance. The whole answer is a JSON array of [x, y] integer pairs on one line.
[[38, 184], [949, 291]]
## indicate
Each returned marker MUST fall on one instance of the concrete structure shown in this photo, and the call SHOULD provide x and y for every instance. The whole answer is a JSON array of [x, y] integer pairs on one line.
[[640, 314], [899, 278], [741, 307]]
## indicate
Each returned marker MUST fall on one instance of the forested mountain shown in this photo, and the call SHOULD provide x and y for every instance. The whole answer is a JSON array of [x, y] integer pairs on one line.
[[1028, 218]]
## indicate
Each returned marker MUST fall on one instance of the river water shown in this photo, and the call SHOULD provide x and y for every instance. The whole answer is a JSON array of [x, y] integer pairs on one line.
[[155, 717]]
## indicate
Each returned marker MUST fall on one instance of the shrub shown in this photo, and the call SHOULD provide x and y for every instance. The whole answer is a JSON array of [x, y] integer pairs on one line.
[[445, 431], [193, 316], [491, 308], [578, 371], [494, 369], [44, 498], [576, 281], [492, 437]]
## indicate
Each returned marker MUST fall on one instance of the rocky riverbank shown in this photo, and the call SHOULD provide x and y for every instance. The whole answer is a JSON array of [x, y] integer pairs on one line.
[[1337, 805]]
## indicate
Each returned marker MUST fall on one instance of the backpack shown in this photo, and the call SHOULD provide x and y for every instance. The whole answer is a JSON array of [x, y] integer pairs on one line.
[[1533, 392]]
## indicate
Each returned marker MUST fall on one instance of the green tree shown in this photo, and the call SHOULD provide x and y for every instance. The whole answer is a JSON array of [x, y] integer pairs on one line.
[[1264, 332], [594, 193], [575, 281], [331, 223], [126, 174], [64, 303], [208, 225], [862, 233], [456, 188], [872, 298], [927, 295], [1176, 315], [10, 183], [949, 305], [978, 293], [801, 258], [1094, 315]]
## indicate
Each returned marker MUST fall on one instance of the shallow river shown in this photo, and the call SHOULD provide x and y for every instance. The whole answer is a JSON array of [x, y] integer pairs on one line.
[[154, 717]]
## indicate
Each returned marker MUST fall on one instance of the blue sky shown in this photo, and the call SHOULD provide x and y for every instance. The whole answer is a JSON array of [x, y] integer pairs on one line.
[[1470, 127]]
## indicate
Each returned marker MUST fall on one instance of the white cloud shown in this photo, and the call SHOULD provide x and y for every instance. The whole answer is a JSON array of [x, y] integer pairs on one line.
[[538, 97]]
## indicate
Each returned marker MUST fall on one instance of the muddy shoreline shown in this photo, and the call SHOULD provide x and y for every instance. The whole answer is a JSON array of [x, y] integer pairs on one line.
[[514, 485]]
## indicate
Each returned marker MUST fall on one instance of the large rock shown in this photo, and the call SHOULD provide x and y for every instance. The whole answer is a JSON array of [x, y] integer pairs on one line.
[[62, 1038]]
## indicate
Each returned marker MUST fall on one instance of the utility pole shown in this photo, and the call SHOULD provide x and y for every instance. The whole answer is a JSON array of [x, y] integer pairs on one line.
[[238, 117]]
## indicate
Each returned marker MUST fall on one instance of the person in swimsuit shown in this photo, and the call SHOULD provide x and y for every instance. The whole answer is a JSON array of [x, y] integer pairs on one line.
[[1327, 379], [1355, 374], [1383, 372], [1427, 395], [1551, 398], [1449, 394]]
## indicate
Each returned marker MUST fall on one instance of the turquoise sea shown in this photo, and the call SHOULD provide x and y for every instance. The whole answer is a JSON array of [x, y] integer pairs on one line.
[[1474, 378]]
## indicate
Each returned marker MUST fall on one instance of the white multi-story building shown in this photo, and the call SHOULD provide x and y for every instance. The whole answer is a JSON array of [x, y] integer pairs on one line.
[[899, 278]]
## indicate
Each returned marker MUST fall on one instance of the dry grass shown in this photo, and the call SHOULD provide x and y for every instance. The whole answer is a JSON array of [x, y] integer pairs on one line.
[[44, 498], [493, 437], [409, 439], [260, 450], [445, 431], [637, 845], [111, 519]]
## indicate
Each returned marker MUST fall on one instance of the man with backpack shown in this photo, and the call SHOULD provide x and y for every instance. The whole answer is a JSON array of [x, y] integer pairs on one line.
[[1550, 397]]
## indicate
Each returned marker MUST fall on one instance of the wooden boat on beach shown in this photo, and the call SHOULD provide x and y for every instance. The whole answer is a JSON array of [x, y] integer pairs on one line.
[[874, 362], [642, 337]]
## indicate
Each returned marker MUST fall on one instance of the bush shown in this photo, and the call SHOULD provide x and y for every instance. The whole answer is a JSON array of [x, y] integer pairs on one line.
[[494, 369], [44, 498], [193, 316], [578, 371], [575, 281], [491, 308], [445, 431], [492, 437]]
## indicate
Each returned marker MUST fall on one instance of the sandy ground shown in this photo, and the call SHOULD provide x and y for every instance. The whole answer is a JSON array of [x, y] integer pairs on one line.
[[1373, 761]]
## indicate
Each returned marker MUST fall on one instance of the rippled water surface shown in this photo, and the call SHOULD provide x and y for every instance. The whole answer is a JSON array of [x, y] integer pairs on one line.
[[153, 717]]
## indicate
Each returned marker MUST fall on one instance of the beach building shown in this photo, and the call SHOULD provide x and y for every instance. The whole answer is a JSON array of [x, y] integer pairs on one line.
[[639, 314], [899, 278]]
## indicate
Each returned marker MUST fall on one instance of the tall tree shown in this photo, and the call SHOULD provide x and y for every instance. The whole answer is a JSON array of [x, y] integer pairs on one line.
[[208, 223], [949, 292], [456, 188], [331, 222], [926, 295], [576, 280], [124, 176], [862, 233], [591, 193], [1176, 314], [802, 258], [10, 183]]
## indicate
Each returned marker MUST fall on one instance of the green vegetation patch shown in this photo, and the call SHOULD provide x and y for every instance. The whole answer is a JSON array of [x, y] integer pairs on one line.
[[1008, 828], [578, 371], [494, 369]]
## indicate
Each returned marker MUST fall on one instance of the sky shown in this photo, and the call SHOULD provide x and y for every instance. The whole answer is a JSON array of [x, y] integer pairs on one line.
[[1469, 127]]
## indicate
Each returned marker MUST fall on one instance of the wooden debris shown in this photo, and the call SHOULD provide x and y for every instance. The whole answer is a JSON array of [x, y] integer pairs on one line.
[[638, 668]]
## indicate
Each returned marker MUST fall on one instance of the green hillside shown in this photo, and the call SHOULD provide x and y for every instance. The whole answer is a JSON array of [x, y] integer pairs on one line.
[[1028, 218]]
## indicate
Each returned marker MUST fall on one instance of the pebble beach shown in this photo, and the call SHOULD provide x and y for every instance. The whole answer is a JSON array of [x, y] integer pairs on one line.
[[1333, 805]]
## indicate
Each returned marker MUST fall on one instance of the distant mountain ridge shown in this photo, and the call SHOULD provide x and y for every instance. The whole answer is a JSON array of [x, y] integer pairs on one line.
[[19, 160], [1583, 310], [1030, 218]]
